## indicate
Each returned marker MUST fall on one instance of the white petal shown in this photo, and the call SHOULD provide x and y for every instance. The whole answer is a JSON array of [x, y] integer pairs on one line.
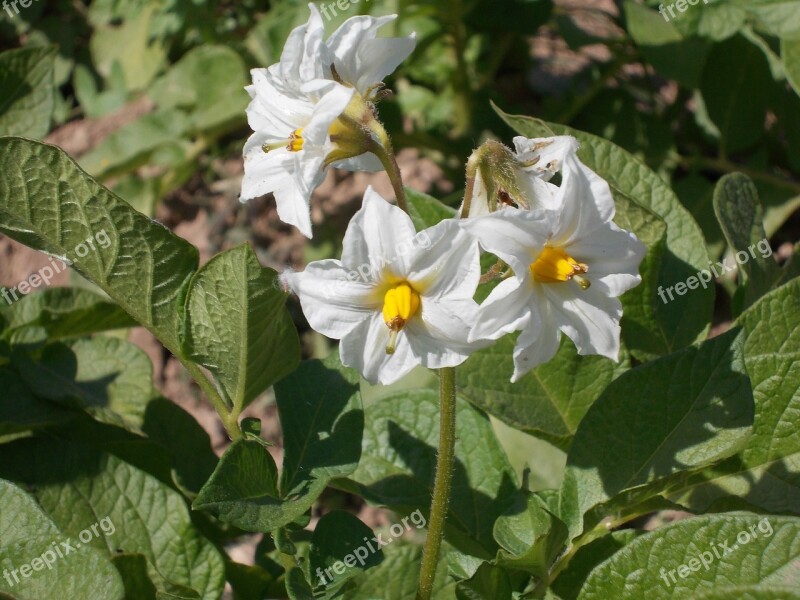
[[479, 204], [549, 153], [331, 105], [375, 237], [538, 342], [444, 261], [304, 55], [364, 349], [586, 202], [588, 317], [438, 336], [516, 236], [271, 110], [506, 309], [332, 302], [613, 256], [362, 59], [366, 162]]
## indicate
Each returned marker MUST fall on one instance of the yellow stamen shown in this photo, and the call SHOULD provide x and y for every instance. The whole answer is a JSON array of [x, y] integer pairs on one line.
[[554, 265], [294, 143], [400, 304]]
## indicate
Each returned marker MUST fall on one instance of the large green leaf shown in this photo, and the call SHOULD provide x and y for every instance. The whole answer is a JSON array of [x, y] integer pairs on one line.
[[67, 312], [676, 414], [790, 55], [549, 402], [712, 554], [20, 410], [736, 86], [399, 458], [48, 203], [487, 582], [766, 473], [27, 94], [741, 216], [78, 486], [31, 566], [322, 420], [109, 378], [426, 211], [398, 575], [238, 327], [686, 319]]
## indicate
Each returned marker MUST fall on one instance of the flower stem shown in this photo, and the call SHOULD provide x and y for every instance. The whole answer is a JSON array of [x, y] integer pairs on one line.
[[385, 153], [443, 482]]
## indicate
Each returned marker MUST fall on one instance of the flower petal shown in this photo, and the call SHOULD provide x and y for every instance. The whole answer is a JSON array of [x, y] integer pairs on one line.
[[613, 256], [516, 236], [588, 317], [439, 338], [538, 342], [333, 303], [375, 237], [506, 309], [444, 261], [332, 102], [304, 55], [364, 349]]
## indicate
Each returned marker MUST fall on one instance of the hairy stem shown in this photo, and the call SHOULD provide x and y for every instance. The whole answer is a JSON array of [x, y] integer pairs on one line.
[[385, 153], [229, 416], [443, 483]]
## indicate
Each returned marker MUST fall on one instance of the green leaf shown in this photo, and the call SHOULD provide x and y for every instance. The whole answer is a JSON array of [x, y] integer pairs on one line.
[[109, 378], [67, 312], [398, 575], [26, 91], [686, 319], [569, 582], [20, 410], [781, 17], [689, 558], [691, 409], [736, 86], [28, 538], [296, 585], [340, 551], [399, 458], [549, 402], [720, 20], [741, 217], [531, 537], [144, 583], [766, 473], [426, 211], [133, 145], [208, 83], [790, 55], [320, 410], [78, 486], [488, 582], [49, 204], [237, 326], [323, 423], [751, 592]]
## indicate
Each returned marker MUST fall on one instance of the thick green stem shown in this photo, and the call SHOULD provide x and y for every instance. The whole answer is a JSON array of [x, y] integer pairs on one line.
[[443, 482], [385, 153]]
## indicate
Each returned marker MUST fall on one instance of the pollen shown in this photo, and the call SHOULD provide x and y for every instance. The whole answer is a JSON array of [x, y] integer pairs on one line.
[[554, 265], [400, 303]]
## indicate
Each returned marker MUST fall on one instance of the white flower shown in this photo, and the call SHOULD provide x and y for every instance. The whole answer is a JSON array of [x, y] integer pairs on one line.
[[397, 299], [569, 267], [522, 178], [314, 108]]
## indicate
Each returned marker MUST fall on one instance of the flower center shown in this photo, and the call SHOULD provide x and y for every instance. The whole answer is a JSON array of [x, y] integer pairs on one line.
[[554, 265], [400, 304], [294, 143]]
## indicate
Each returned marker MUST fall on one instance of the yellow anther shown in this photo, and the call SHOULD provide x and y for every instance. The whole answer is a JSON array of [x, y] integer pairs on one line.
[[296, 140], [400, 303], [554, 265]]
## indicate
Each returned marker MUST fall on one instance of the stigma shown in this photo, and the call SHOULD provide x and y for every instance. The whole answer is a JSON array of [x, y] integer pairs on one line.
[[294, 143], [400, 303], [554, 265]]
